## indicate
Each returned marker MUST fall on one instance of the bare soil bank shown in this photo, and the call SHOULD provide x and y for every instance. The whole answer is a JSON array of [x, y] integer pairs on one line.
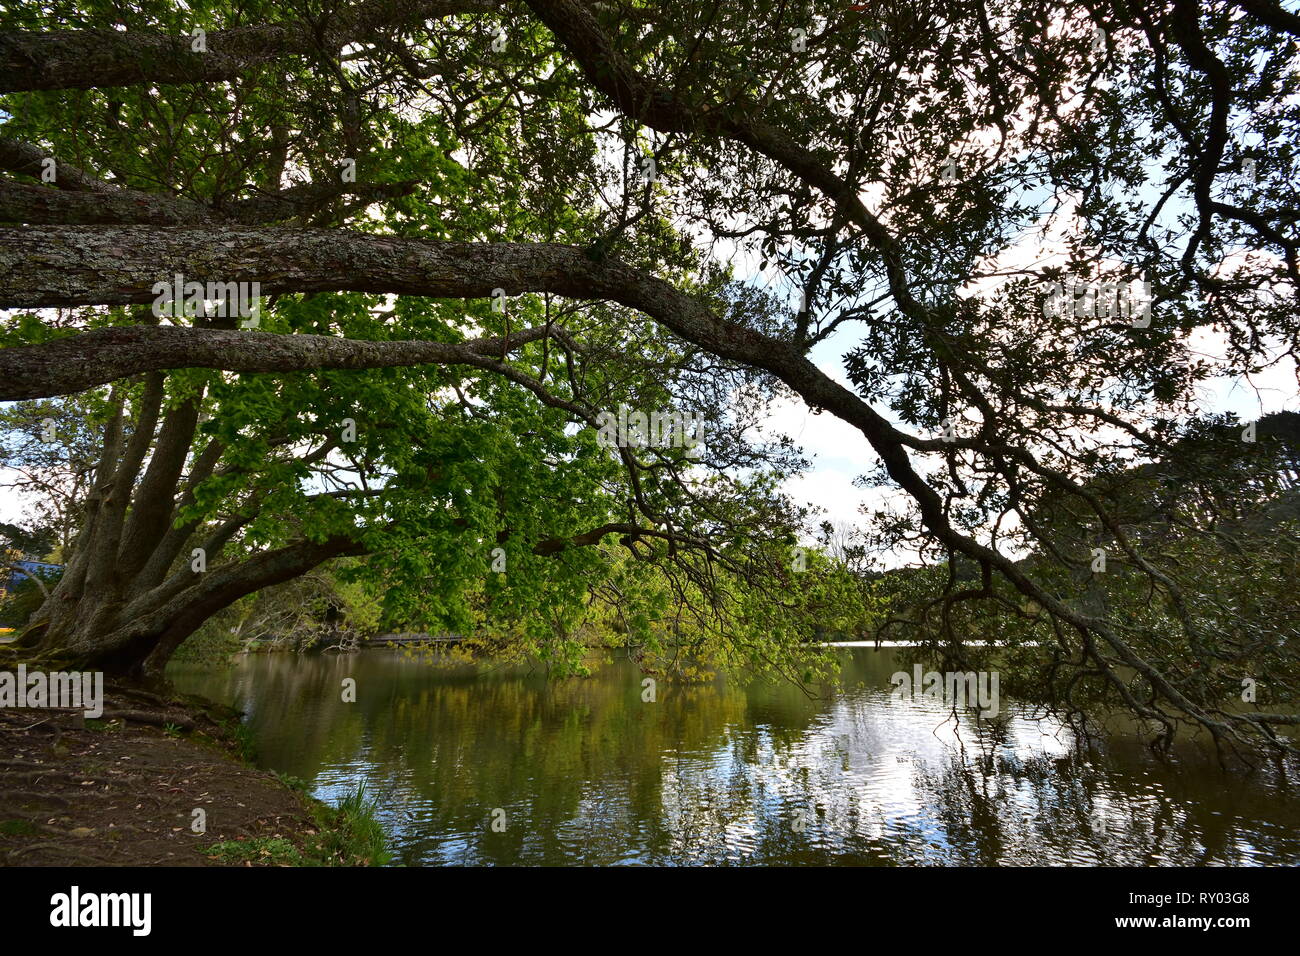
[[122, 790]]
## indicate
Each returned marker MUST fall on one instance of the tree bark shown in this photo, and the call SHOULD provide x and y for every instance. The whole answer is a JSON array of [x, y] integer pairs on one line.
[[106, 355], [43, 205], [86, 59]]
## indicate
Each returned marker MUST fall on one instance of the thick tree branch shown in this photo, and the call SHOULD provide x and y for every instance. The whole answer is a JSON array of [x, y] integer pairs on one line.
[[42, 205], [104, 355], [85, 59], [28, 160], [1272, 14]]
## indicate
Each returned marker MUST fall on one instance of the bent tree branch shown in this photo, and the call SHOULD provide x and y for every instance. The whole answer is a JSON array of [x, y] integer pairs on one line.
[[77, 197], [86, 59], [105, 355]]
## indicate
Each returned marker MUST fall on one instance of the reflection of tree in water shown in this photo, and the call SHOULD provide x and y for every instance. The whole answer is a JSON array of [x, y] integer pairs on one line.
[[587, 772], [1007, 810], [574, 764]]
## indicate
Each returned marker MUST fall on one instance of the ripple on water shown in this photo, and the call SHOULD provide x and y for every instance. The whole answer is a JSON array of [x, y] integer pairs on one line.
[[588, 773]]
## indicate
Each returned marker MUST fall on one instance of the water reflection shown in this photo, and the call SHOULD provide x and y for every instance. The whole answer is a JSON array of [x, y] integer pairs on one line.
[[586, 773]]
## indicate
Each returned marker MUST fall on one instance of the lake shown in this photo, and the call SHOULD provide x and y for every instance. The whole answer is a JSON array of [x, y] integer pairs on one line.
[[501, 766]]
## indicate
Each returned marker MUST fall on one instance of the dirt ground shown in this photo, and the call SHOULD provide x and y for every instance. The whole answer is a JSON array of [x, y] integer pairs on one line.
[[123, 790]]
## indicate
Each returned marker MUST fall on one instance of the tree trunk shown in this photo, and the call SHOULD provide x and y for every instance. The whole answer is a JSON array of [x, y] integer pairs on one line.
[[130, 594]]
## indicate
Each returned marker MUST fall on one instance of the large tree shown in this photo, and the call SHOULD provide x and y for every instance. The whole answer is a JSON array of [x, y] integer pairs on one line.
[[925, 187]]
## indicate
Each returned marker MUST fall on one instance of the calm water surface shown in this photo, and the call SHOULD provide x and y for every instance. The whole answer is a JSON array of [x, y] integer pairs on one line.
[[718, 773]]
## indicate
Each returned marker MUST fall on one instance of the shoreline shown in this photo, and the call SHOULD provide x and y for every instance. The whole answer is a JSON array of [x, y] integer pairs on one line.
[[160, 782]]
